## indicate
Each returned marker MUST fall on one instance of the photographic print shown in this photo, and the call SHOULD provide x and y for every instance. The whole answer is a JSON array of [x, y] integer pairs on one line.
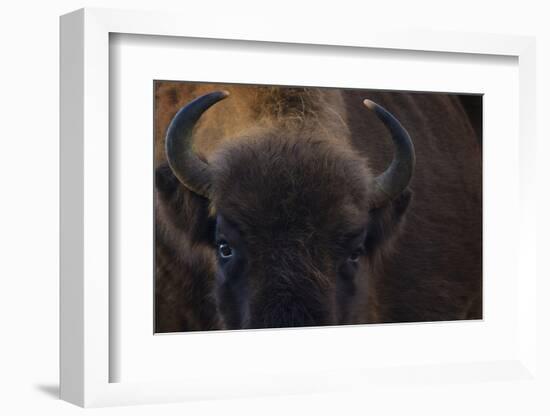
[[280, 207]]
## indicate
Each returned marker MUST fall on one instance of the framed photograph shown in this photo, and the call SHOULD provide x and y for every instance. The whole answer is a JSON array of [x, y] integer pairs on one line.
[[279, 213]]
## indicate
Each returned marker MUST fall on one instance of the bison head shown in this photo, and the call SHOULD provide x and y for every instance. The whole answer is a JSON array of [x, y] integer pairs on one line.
[[296, 217]]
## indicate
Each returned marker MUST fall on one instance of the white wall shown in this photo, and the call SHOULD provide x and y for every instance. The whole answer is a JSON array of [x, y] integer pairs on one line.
[[29, 172]]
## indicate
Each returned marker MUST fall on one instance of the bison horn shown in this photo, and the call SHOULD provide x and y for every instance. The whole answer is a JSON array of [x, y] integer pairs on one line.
[[397, 176], [190, 170]]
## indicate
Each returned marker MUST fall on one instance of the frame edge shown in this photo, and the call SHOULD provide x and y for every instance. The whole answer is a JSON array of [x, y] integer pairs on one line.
[[71, 217]]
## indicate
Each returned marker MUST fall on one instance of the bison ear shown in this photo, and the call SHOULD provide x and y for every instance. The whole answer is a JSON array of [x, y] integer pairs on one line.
[[181, 210], [166, 182], [385, 221]]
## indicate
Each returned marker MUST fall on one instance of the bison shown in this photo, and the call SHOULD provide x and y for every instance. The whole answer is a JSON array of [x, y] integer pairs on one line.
[[280, 207]]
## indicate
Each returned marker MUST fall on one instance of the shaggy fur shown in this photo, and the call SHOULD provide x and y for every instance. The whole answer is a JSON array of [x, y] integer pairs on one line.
[[292, 174]]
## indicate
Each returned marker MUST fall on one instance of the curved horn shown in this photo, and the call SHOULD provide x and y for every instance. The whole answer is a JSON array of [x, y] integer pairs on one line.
[[191, 171], [397, 176]]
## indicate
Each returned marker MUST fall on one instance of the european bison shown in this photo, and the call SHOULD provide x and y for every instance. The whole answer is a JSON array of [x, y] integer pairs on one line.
[[280, 207]]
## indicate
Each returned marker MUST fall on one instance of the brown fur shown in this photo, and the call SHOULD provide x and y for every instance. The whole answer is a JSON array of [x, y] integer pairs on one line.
[[315, 153]]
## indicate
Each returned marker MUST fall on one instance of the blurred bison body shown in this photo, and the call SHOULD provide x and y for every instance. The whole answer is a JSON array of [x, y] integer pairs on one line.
[[283, 207]]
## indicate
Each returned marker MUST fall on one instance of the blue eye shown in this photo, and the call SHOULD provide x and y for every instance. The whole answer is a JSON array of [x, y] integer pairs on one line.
[[225, 250]]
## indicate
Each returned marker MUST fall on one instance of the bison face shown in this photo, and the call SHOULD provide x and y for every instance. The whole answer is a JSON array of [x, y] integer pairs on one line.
[[291, 221], [297, 217]]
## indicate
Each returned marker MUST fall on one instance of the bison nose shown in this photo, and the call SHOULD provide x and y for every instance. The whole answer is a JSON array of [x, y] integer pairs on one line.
[[289, 314]]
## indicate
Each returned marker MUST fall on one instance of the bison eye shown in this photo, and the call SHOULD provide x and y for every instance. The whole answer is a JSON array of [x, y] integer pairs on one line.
[[354, 257], [225, 250]]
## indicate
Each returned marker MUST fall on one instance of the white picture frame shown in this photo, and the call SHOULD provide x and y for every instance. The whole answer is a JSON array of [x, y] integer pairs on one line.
[[85, 217]]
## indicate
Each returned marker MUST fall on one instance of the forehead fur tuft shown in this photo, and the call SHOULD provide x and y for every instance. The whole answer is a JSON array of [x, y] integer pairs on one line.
[[281, 181]]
